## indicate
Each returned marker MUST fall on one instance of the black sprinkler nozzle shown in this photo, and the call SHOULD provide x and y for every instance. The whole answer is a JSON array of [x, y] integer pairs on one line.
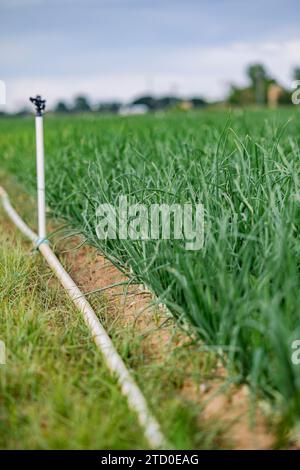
[[39, 103]]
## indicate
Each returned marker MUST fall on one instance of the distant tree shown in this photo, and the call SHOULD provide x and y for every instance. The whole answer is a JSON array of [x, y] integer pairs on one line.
[[259, 82], [257, 91], [296, 73], [81, 105], [61, 107], [256, 72], [109, 107], [167, 102], [285, 97], [147, 101], [198, 102], [241, 96]]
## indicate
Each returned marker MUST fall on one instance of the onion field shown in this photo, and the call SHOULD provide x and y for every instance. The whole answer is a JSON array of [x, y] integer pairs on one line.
[[239, 295]]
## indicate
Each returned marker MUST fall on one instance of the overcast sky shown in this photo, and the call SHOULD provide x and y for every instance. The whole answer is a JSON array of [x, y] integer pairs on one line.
[[117, 49]]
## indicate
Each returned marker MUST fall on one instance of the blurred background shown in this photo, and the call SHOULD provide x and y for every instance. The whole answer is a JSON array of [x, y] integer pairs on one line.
[[136, 56]]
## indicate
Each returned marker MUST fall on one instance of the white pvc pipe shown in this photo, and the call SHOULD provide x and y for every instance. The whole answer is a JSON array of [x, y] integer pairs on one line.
[[40, 167], [135, 398]]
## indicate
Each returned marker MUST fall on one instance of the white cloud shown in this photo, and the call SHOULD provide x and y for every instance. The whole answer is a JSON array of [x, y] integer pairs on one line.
[[229, 62], [198, 70]]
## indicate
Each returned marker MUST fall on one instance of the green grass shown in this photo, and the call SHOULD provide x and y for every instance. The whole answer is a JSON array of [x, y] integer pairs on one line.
[[241, 292], [55, 390]]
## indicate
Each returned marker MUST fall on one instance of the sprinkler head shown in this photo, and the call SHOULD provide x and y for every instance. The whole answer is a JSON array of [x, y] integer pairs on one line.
[[39, 103]]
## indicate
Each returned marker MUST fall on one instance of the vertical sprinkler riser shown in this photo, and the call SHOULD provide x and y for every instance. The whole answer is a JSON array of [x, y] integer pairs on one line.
[[40, 106]]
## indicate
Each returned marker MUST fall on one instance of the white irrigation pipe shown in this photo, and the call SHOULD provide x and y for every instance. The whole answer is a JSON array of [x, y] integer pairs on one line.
[[130, 389]]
